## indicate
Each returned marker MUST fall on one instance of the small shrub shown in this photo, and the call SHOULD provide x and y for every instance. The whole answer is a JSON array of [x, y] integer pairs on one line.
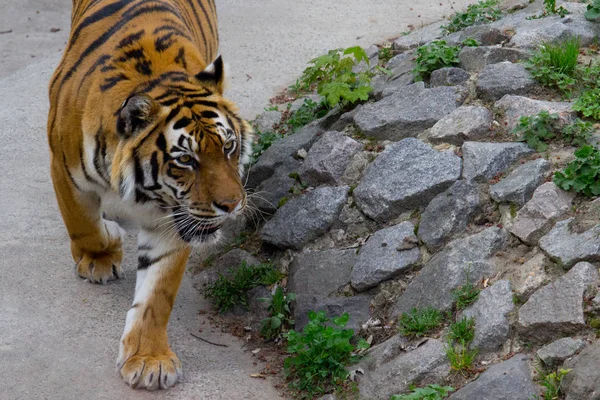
[[429, 392], [460, 356], [462, 330], [555, 64], [536, 130], [419, 322], [588, 103], [385, 54], [280, 315], [308, 112], [434, 55], [262, 142], [581, 175], [578, 133], [466, 294], [319, 354], [482, 12], [227, 292], [593, 11], [552, 383]]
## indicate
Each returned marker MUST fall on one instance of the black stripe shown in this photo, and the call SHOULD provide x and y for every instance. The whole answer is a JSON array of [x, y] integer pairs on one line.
[[97, 157], [210, 25], [182, 123], [112, 81], [100, 61], [180, 58], [154, 171], [130, 39], [164, 42], [172, 114], [84, 169], [144, 261], [173, 75], [99, 15], [209, 114], [69, 173], [199, 24]]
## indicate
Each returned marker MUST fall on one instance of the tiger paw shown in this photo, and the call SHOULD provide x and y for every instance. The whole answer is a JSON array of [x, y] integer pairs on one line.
[[152, 372], [102, 267]]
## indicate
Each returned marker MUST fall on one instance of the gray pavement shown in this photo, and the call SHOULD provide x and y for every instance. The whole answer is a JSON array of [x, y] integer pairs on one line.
[[59, 335]]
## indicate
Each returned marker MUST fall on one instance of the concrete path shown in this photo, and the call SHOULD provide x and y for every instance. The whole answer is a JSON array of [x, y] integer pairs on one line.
[[59, 335]]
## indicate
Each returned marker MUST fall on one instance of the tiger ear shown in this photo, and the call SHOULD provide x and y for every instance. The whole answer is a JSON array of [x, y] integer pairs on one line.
[[214, 75], [135, 114]]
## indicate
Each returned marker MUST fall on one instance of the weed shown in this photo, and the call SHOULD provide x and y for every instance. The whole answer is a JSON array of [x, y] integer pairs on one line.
[[280, 315], [308, 112], [550, 9], [282, 202], [482, 12], [536, 130], [555, 64], [552, 382], [578, 133], [466, 294], [335, 79], [460, 356], [462, 330], [581, 175], [227, 292], [319, 354], [588, 103], [470, 42], [385, 54], [419, 322], [593, 11], [272, 108], [434, 55], [262, 143], [429, 392]]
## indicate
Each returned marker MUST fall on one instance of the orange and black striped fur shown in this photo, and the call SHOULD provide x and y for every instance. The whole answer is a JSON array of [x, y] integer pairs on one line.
[[137, 118]]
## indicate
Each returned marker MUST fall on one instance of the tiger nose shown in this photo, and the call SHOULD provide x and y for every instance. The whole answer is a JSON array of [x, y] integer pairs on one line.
[[226, 205]]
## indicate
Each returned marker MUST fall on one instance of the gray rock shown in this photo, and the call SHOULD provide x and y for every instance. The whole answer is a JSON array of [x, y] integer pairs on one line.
[[347, 117], [518, 187], [320, 273], [328, 158], [402, 63], [424, 365], [448, 76], [401, 67], [583, 381], [259, 309], [466, 123], [265, 121], [532, 275], [496, 80], [448, 270], [271, 191], [408, 111], [419, 37], [407, 175], [558, 351], [395, 84], [281, 152], [385, 255], [508, 380], [557, 308], [484, 34], [476, 58], [490, 311], [303, 219], [448, 213], [230, 260], [515, 107], [483, 161], [356, 168], [566, 247], [357, 307], [536, 218]]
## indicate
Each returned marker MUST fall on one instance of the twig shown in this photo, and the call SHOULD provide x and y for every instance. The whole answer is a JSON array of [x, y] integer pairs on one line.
[[8, 31], [208, 341]]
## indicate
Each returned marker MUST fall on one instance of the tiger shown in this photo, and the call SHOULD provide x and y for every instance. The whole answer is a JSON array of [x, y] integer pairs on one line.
[[138, 119]]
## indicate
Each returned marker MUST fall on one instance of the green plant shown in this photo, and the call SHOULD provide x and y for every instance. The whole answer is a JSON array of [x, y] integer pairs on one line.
[[466, 294], [434, 55], [552, 382], [308, 112], [262, 142], [536, 130], [419, 322], [581, 175], [470, 42], [272, 107], [555, 64], [578, 133], [482, 12], [320, 354], [460, 356], [593, 11], [229, 291], [385, 54], [462, 330], [588, 103], [550, 9], [429, 392], [280, 315], [336, 80]]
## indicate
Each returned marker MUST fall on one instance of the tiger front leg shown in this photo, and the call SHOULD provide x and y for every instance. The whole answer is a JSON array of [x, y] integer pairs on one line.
[[145, 358]]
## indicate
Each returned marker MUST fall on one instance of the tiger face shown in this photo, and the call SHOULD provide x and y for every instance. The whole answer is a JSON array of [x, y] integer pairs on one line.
[[183, 150]]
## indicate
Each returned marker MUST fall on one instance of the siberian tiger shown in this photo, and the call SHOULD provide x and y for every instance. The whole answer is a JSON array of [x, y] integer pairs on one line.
[[137, 116]]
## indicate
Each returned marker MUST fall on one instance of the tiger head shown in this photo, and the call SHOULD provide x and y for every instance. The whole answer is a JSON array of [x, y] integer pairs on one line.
[[183, 149]]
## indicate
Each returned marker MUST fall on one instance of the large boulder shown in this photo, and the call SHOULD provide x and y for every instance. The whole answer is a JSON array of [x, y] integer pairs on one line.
[[272, 190], [583, 381], [515, 107], [567, 247], [555, 353], [407, 175], [483, 161], [496, 80], [476, 58], [448, 76], [466, 123]]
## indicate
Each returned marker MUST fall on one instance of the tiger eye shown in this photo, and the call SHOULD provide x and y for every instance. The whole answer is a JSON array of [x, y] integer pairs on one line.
[[184, 159], [228, 145]]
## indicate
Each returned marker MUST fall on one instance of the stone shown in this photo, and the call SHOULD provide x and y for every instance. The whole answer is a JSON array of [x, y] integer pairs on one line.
[[476, 58], [424, 365], [281, 152], [320, 273], [583, 381], [558, 351], [449, 268], [496, 80], [557, 308], [448, 76], [304, 218], [490, 312], [483, 161], [519, 185], [408, 111], [535, 219], [448, 213], [515, 107], [356, 168], [264, 122], [328, 158], [508, 380], [484, 34], [347, 117], [357, 307], [566, 247], [532, 275], [406, 175], [395, 84], [419, 37], [382, 257], [259, 309], [466, 123], [230, 260], [272, 190]]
